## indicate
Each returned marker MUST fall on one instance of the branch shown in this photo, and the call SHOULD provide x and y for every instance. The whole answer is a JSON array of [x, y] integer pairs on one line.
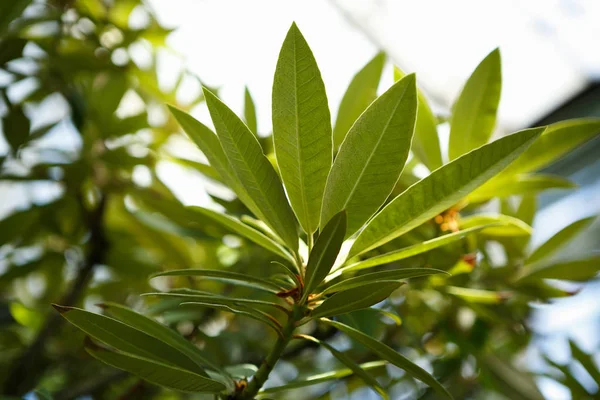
[[26, 370]]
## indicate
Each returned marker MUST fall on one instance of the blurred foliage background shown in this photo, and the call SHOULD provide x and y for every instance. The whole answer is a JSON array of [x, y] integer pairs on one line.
[[86, 218]]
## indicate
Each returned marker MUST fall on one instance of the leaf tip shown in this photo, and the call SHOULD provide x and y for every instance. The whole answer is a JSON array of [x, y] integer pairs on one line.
[[61, 309]]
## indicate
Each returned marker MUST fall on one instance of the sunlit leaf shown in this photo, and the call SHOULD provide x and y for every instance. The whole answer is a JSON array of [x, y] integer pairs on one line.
[[301, 128], [476, 295], [380, 276], [360, 93], [390, 355], [559, 240], [441, 190], [499, 225], [250, 112], [474, 114], [372, 156], [254, 170]]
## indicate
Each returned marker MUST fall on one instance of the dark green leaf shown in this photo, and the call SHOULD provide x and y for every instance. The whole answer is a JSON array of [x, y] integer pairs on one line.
[[301, 128], [586, 360], [360, 93], [324, 253], [355, 298], [372, 156], [9, 11], [474, 114], [441, 190], [392, 275], [576, 270], [216, 300], [15, 126], [389, 354]]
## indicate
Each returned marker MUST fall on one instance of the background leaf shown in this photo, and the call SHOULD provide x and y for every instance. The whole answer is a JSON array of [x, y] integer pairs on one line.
[[559, 240]]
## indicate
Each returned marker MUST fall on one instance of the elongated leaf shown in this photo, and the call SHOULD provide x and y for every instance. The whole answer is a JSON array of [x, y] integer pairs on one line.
[[519, 185], [576, 270], [558, 139], [246, 231], [348, 362], [389, 354], [426, 142], [217, 300], [209, 144], [476, 295], [254, 170], [442, 189], [360, 93], [9, 11], [228, 276], [499, 225], [325, 252], [250, 112], [411, 251], [325, 377], [559, 240], [301, 128], [160, 332], [158, 373], [372, 156], [586, 360], [474, 114], [374, 277], [202, 168], [126, 338], [355, 298]]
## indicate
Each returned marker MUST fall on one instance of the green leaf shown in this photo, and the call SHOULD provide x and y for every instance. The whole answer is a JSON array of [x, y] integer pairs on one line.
[[9, 11], [559, 240], [586, 360], [301, 128], [209, 144], [216, 300], [228, 276], [246, 231], [372, 156], [160, 332], [360, 93], [502, 225], [200, 167], [441, 190], [355, 298], [250, 112], [254, 170], [478, 296], [519, 185], [325, 377], [374, 277], [324, 253], [474, 114], [575, 270], [158, 373], [410, 251], [348, 362], [426, 142], [15, 126], [127, 339], [387, 353], [558, 139]]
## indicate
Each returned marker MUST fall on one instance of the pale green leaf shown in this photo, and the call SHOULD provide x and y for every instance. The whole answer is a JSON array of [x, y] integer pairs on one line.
[[502, 225], [391, 275], [575, 270], [127, 339], [254, 170], [355, 298], [410, 251], [325, 377], [301, 128], [360, 93], [558, 139], [227, 276], [426, 142], [246, 231], [389, 354], [158, 373], [372, 156], [441, 190], [324, 253], [348, 362], [474, 114], [519, 185], [250, 112], [478, 296], [559, 240]]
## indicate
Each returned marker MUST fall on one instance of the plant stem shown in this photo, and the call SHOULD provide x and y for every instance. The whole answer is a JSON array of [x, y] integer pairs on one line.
[[259, 379]]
